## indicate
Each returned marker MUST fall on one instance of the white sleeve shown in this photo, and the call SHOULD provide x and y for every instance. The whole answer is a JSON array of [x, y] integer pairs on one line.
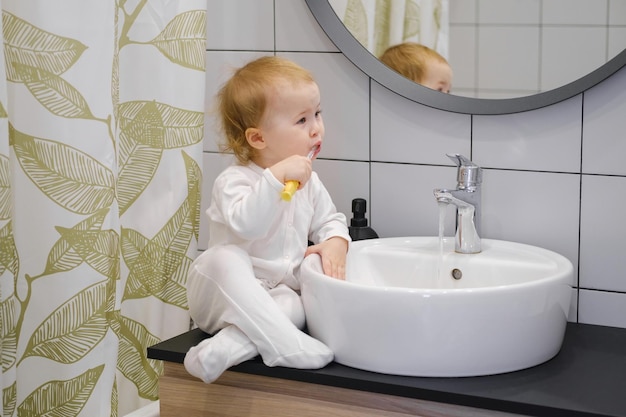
[[246, 202]]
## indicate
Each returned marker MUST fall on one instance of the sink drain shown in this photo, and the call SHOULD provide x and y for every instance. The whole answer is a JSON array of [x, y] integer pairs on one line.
[[456, 273]]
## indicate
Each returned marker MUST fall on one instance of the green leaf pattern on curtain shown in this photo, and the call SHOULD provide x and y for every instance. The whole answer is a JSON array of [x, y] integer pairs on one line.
[[9, 260], [73, 179], [355, 19], [63, 255], [73, 329], [382, 26], [61, 398], [133, 362], [371, 23], [5, 189], [148, 128], [27, 45], [53, 92], [155, 265], [411, 20], [9, 399], [8, 308], [194, 192], [182, 40], [97, 252]]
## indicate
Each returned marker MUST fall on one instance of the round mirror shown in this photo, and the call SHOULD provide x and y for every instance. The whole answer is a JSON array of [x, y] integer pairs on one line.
[[368, 63]]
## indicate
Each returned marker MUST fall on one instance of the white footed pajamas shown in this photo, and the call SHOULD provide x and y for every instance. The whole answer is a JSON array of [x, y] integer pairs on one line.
[[244, 287]]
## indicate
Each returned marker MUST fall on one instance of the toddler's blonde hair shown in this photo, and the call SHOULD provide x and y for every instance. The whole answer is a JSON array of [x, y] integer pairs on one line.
[[410, 59], [242, 100]]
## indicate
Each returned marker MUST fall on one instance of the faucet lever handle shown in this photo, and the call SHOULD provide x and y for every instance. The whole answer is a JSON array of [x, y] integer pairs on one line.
[[460, 160], [469, 175]]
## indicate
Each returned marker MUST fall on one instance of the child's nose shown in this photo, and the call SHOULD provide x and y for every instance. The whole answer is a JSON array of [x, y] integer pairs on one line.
[[316, 128]]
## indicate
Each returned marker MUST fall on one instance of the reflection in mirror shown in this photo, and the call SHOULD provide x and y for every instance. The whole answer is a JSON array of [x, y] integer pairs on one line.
[[383, 75], [420, 64], [497, 48], [378, 24]]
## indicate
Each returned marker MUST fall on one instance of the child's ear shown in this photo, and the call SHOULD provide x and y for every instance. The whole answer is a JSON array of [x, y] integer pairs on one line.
[[255, 138]]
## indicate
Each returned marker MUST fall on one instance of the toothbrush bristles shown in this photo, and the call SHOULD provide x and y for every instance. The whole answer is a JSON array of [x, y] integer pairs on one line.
[[312, 151]]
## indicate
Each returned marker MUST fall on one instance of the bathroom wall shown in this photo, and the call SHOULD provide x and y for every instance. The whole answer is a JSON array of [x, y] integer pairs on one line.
[[511, 48], [553, 177]]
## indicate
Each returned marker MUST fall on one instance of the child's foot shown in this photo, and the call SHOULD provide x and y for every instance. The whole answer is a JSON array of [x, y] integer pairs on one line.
[[206, 362], [211, 357], [313, 354]]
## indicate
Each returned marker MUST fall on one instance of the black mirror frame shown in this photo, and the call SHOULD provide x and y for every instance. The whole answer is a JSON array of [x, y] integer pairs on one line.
[[370, 65]]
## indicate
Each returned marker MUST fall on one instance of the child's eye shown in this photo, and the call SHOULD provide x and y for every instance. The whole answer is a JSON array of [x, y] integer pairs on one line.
[[302, 120], [318, 113]]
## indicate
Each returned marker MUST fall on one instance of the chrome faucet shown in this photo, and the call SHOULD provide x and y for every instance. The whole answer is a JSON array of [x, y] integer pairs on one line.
[[466, 199]]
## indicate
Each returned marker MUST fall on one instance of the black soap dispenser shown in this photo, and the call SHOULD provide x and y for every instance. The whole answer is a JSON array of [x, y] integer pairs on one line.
[[359, 229]]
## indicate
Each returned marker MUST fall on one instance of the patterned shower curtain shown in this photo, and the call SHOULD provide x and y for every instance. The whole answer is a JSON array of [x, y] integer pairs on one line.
[[101, 127], [379, 24]]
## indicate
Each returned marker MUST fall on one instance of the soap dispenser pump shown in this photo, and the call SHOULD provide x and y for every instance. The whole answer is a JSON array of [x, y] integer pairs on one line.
[[359, 229]]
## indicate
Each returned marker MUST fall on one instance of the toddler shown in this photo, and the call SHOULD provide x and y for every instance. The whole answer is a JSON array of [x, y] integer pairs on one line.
[[244, 288], [421, 64]]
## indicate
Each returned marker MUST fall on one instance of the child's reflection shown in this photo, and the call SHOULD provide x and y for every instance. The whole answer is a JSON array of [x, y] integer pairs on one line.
[[421, 64]]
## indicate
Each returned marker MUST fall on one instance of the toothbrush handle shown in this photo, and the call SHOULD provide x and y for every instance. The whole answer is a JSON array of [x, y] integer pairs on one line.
[[291, 186], [289, 190]]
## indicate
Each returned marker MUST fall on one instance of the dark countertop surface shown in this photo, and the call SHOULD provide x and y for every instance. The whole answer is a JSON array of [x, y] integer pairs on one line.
[[587, 377]]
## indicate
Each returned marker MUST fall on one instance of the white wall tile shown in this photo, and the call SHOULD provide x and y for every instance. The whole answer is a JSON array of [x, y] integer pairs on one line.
[[617, 41], [604, 125], [462, 11], [602, 308], [602, 260], [617, 12], [547, 139], [465, 92], [404, 131], [345, 109], [403, 203], [582, 51], [536, 208], [573, 307], [575, 12], [462, 58], [230, 28], [297, 29], [345, 181], [508, 11], [508, 57]]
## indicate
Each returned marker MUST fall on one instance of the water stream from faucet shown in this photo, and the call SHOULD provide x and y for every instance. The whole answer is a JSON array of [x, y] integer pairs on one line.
[[442, 217]]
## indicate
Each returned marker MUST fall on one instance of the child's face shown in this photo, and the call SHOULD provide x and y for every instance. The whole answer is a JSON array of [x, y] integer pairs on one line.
[[292, 123], [438, 76]]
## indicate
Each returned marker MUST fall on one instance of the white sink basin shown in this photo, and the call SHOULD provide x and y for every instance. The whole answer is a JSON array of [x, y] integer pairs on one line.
[[395, 314]]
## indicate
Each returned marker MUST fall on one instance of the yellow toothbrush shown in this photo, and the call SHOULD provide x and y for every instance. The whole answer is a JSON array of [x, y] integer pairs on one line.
[[291, 186]]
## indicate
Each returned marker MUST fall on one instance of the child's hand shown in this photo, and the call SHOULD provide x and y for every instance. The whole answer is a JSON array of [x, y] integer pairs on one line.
[[333, 253], [295, 167]]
